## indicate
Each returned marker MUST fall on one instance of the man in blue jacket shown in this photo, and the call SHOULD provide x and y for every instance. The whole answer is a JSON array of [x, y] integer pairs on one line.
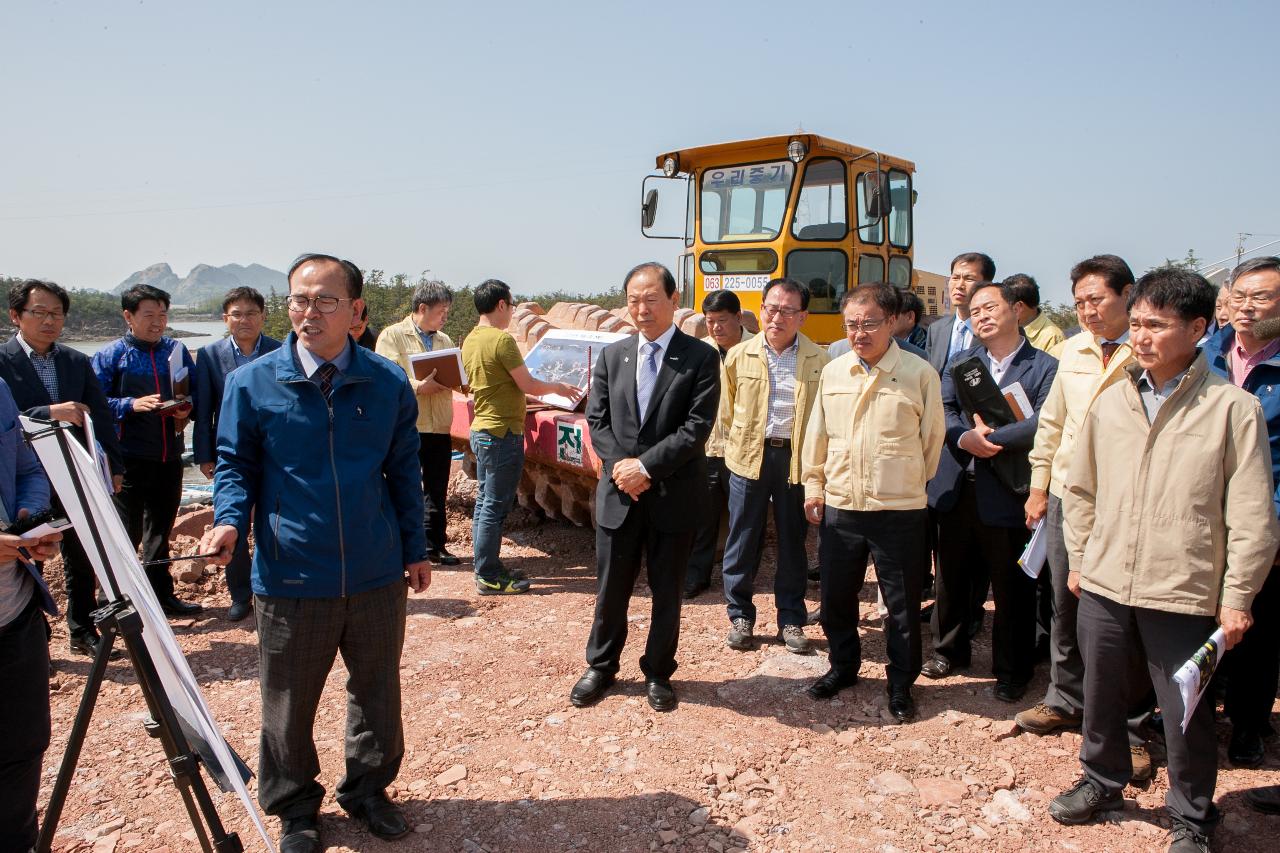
[[137, 374], [243, 309], [1249, 357], [318, 441]]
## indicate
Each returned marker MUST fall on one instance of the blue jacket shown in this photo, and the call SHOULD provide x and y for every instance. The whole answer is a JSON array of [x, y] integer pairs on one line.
[[128, 368], [335, 493], [1263, 382], [998, 505], [23, 484], [213, 363]]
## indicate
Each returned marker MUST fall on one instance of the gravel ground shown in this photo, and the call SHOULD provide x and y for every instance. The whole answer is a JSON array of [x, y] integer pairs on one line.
[[498, 760]]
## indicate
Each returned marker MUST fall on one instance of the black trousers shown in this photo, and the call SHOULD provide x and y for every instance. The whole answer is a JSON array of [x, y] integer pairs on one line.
[[81, 584], [1252, 666], [707, 536], [619, 554], [148, 503], [435, 454], [298, 639], [1114, 680], [964, 544], [24, 719], [898, 541]]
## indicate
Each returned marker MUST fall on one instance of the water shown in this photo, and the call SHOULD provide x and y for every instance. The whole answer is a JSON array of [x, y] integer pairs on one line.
[[204, 332]]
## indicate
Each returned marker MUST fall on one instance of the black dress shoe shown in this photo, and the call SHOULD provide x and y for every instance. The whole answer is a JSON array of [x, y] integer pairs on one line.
[[1245, 748], [301, 835], [975, 627], [1009, 691], [1265, 800], [936, 667], [901, 705], [86, 645], [831, 683], [693, 590], [383, 817], [238, 610], [442, 558], [590, 687], [174, 606], [662, 696]]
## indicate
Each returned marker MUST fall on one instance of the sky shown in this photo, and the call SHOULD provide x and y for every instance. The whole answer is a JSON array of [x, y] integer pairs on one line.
[[510, 140]]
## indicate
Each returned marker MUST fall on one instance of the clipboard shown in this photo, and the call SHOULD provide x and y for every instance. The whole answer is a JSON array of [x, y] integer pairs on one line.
[[447, 363]]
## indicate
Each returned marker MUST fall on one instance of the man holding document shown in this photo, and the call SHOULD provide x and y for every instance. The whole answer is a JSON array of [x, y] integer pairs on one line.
[[979, 490], [1170, 532]]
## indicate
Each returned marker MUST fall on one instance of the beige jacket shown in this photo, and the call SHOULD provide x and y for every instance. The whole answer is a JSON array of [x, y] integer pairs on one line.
[[744, 403], [874, 439], [399, 341], [715, 441], [1079, 381], [1176, 515]]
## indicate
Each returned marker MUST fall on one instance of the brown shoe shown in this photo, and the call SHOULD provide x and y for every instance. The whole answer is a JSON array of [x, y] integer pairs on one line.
[[1043, 720], [1141, 758]]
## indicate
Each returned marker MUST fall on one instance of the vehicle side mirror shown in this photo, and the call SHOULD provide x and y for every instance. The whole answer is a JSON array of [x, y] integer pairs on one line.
[[875, 194], [649, 209], [672, 221]]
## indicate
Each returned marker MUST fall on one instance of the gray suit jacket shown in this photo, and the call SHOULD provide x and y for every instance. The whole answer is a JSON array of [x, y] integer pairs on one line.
[[938, 340]]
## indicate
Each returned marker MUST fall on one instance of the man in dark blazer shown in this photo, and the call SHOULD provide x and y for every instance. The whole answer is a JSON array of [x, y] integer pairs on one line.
[[54, 382], [652, 405], [243, 310], [981, 524], [949, 335]]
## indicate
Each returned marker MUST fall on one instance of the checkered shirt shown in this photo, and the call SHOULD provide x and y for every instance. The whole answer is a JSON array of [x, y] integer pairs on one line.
[[782, 389]]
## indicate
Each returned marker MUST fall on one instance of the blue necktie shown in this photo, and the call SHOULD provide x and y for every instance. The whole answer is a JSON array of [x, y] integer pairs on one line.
[[648, 375]]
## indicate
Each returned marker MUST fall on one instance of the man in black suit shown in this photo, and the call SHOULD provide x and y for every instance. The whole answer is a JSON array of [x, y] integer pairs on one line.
[[652, 405], [54, 382], [243, 309]]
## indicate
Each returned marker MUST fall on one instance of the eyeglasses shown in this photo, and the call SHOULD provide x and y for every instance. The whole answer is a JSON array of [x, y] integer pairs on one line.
[[245, 315], [41, 315], [775, 310], [1260, 298], [324, 304], [864, 326]]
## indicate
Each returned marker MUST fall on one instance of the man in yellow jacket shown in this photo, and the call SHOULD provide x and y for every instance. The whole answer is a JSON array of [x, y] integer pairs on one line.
[[1170, 532], [872, 443], [421, 332], [767, 391], [1042, 333]]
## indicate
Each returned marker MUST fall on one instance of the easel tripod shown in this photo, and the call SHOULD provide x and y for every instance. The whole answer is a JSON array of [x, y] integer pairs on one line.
[[120, 618]]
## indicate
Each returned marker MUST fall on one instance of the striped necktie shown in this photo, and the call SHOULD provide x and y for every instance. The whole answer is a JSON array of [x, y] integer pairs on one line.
[[326, 372], [648, 375]]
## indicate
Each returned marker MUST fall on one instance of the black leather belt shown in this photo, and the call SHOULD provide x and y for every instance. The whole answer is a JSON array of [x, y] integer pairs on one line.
[[778, 442]]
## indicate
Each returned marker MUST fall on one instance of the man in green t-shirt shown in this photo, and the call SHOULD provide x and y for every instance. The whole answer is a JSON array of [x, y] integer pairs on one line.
[[499, 382]]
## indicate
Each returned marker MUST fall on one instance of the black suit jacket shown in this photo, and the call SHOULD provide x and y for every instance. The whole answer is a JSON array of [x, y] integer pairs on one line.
[[669, 441], [77, 384], [213, 363]]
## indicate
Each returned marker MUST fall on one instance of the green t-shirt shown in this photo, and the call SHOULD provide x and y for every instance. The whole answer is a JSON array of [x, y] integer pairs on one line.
[[489, 355]]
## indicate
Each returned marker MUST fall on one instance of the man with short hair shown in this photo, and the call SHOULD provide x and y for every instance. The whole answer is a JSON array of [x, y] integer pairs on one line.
[[55, 382], [1248, 355], [421, 332], [1042, 333], [317, 447], [1171, 529], [1090, 363], [948, 336], [362, 331], [872, 442], [653, 399], [767, 394], [906, 330], [499, 382], [723, 313], [135, 374], [243, 310], [979, 511]]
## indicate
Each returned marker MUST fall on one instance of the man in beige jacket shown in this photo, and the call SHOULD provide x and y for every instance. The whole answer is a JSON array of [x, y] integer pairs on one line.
[[417, 333], [873, 442], [1170, 532], [767, 390]]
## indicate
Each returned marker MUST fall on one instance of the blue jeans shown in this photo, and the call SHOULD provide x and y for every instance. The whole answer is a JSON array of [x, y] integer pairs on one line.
[[499, 462]]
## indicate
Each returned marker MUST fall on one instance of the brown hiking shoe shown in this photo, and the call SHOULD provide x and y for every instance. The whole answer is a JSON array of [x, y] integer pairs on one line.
[[1043, 720], [1142, 769]]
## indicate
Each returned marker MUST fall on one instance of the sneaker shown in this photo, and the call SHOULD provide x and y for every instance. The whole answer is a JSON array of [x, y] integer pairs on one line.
[[793, 637], [1184, 839], [1081, 801], [1141, 760], [740, 636], [1043, 720], [504, 585]]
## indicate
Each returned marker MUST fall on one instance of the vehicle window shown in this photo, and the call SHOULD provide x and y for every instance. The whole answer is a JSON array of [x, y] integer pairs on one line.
[[869, 230], [900, 271], [745, 202], [870, 268], [686, 281], [739, 260], [824, 272], [899, 208], [822, 208]]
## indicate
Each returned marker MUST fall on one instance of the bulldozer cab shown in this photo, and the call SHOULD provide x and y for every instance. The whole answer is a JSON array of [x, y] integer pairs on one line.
[[826, 213]]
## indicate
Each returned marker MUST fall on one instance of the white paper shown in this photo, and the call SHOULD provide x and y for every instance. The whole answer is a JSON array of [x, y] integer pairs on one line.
[[177, 369], [1193, 677], [1036, 552], [1020, 397], [55, 526], [171, 666], [104, 467]]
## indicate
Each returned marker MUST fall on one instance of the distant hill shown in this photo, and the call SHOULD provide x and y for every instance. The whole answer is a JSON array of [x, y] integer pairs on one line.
[[206, 282]]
